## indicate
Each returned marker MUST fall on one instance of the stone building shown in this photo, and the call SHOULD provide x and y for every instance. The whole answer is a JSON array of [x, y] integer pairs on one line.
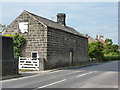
[[90, 39], [57, 44]]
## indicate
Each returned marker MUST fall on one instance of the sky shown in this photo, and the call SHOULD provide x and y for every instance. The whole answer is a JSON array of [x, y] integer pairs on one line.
[[92, 18]]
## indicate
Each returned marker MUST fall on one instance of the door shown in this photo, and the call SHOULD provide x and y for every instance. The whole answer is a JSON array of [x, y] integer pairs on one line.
[[71, 57]]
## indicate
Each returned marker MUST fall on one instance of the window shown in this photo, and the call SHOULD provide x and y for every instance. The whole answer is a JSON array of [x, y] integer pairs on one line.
[[23, 26], [34, 55]]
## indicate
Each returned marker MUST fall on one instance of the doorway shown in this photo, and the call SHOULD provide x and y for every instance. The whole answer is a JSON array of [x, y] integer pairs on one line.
[[71, 57]]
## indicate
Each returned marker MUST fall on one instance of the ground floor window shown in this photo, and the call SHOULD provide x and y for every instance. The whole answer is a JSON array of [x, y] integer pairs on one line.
[[34, 54]]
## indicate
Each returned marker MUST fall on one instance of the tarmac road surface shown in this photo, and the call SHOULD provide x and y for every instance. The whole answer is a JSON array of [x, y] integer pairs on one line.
[[103, 75]]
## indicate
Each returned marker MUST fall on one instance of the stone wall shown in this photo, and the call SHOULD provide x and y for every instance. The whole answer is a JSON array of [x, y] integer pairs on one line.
[[65, 49], [9, 64], [36, 36]]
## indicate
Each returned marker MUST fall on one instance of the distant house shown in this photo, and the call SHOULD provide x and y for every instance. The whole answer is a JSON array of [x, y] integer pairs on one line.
[[56, 43], [90, 39], [98, 38], [101, 39]]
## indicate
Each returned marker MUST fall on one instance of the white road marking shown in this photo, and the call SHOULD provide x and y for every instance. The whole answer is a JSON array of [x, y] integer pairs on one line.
[[52, 83], [85, 74], [56, 71], [67, 70]]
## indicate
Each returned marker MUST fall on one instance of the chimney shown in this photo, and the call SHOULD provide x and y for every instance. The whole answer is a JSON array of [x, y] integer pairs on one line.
[[61, 18], [101, 37], [96, 36], [86, 35]]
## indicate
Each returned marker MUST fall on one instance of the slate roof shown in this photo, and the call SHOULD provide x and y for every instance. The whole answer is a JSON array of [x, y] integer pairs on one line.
[[56, 25]]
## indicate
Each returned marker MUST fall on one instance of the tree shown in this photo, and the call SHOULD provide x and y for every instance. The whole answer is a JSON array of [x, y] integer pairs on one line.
[[108, 41], [95, 50], [110, 48], [110, 51], [2, 27]]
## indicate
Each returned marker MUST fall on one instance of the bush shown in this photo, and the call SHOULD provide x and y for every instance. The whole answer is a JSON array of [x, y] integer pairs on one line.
[[108, 52], [112, 53], [111, 57], [95, 51]]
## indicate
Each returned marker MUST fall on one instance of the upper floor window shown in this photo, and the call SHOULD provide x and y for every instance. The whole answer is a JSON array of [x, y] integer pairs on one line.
[[23, 26]]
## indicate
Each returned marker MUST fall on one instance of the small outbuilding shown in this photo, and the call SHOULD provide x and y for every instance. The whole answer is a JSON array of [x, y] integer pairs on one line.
[[54, 44]]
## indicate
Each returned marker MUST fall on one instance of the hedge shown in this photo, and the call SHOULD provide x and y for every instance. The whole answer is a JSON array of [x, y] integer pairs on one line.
[[112, 57]]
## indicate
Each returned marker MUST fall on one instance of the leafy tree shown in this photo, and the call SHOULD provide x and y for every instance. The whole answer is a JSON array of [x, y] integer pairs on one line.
[[110, 48], [18, 42], [2, 27], [110, 51], [108, 41], [95, 50]]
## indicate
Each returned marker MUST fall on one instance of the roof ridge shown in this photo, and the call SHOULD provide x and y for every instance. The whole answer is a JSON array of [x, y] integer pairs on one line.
[[41, 17], [56, 25], [49, 20]]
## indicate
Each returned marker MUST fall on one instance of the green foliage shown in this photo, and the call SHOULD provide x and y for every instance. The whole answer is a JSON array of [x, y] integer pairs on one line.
[[25, 70], [2, 27], [111, 57], [18, 42], [110, 48], [108, 41], [95, 50], [110, 51], [9, 35]]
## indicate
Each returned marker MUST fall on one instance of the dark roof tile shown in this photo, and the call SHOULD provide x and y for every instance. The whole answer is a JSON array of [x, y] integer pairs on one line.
[[56, 25]]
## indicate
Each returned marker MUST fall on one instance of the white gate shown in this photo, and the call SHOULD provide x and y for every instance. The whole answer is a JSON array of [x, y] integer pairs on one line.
[[28, 63]]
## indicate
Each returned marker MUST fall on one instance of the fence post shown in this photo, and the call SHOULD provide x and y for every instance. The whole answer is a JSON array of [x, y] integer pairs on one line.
[[41, 64]]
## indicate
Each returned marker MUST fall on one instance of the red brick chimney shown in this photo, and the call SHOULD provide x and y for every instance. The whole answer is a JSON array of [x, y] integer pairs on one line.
[[101, 37]]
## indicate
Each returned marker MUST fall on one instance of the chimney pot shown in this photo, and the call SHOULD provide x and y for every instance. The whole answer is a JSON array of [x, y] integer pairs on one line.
[[86, 35], [96, 36]]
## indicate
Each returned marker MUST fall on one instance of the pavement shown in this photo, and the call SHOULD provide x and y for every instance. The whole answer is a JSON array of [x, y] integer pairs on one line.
[[103, 75]]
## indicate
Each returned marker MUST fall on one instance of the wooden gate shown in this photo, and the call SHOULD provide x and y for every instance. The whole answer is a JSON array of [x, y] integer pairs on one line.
[[28, 63]]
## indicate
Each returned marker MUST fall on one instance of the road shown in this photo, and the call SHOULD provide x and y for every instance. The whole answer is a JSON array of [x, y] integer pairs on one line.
[[103, 75]]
